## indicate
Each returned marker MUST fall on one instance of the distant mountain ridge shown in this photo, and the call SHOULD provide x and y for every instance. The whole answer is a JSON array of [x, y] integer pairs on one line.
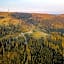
[[46, 20]]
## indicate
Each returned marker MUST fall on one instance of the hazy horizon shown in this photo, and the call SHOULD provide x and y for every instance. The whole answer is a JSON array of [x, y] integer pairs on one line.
[[33, 6]]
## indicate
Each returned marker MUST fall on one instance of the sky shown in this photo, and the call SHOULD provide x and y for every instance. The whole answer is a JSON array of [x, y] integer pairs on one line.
[[33, 6]]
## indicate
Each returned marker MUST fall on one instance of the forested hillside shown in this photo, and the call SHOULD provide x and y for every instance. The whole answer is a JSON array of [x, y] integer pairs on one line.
[[27, 38]]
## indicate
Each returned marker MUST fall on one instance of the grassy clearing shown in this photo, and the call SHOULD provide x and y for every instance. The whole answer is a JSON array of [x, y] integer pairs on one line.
[[39, 34]]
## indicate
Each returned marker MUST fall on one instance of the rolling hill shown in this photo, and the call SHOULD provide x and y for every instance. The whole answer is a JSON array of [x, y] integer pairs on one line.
[[31, 38]]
